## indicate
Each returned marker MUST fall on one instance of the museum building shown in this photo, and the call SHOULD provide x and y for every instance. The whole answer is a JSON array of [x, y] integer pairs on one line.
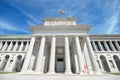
[[62, 46]]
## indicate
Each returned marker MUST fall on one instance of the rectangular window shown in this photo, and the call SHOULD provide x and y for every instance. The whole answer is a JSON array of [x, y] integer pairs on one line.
[[59, 59]]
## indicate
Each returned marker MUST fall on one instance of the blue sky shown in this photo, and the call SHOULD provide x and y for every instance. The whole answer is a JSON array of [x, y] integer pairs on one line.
[[17, 15]]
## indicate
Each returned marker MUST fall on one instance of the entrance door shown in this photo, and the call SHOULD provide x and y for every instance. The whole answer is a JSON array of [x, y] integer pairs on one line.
[[60, 60], [60, 65]]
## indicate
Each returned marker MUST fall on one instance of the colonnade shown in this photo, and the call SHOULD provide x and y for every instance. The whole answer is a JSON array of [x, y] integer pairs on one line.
[[106, 45], [10, 50], [107, 54], [14, 45], [51, 67]]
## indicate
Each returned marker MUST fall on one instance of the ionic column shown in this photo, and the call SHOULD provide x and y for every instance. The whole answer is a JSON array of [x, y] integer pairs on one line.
[[117, 45], [112, 46], [4, 46], [93, 42], [95, 65], [88, 59], [15, 46], [75, 58], [40, 56], [67, 56], [0, 45], [101, 48], [52, 56], [26, 47], [79, 54], [106, 46], [10, 46], [28, 55], [21, 46]]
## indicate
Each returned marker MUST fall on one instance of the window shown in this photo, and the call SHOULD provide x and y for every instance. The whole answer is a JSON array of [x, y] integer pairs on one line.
[[59, 59]]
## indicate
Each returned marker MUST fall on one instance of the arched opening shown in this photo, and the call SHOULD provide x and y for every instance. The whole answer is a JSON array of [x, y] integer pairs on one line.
[[18, 63], [117, 61], [5, 61], [104, 63]]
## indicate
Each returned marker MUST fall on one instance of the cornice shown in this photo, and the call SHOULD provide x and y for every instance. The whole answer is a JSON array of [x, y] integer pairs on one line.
[[104, 35], [15, 36], [70, 27], [60, 19]]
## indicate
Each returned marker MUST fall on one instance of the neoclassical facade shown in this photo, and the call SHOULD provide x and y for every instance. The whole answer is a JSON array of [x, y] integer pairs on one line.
[[60, 46]]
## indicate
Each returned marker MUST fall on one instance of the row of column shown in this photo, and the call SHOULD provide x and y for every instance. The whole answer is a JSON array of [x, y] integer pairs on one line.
[[52, 56], [105, 45], [14, 46], [51, 69]]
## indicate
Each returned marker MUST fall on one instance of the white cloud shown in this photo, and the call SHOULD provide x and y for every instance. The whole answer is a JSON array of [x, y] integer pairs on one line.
[[30, 23], [29, 15], [112, 23], [7, 26]]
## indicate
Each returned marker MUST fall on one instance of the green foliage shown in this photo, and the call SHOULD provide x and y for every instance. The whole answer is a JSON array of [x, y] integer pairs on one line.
[[115, 73], [6, 72]]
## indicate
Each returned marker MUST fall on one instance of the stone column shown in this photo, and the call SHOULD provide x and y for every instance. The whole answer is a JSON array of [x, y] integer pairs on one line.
[[4, 46], [40, 56], [67, 56], [112, 46], [1, 45], [100, 46], [15, 46], [95, 65], [21, 46], [52, 56], [28, 55], [10, 46], [117, 45], [79, 54], [27, 46], [75, 58], [93, 42], [106, 46], [88, 59], [31, 64]]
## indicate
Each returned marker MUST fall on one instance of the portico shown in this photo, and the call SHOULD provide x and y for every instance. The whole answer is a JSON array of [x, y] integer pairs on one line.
[[60, 55], [62, 48]]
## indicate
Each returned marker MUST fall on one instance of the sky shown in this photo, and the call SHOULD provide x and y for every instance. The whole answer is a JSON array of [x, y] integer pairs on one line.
[[17, 15]]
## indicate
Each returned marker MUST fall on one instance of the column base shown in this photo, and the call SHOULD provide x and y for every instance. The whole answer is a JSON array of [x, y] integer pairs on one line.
[[26, 72], [98, 73], [37, 72], [50, 72], [68, 72], [83, 73], [91, 72]]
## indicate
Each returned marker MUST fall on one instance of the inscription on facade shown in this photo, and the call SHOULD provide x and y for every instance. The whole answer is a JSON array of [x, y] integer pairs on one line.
[[59, 23]]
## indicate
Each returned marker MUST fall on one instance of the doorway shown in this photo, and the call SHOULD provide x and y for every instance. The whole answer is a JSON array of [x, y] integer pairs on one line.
[[59, 60]]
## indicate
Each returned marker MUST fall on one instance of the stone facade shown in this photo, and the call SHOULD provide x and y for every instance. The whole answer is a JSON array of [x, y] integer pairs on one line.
[[60, 46]]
